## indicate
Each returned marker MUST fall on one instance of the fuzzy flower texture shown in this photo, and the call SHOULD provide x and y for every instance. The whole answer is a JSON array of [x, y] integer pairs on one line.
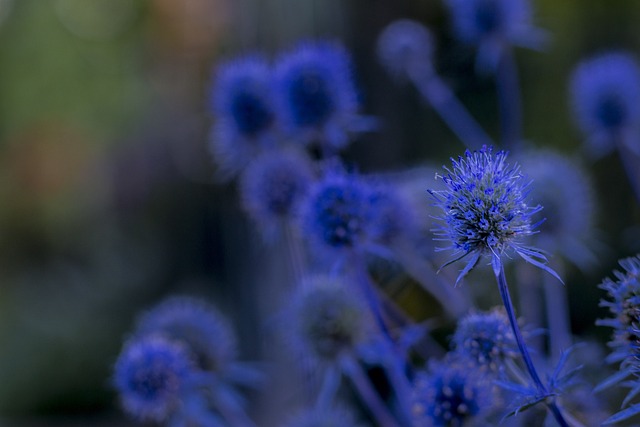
[[485, 211]]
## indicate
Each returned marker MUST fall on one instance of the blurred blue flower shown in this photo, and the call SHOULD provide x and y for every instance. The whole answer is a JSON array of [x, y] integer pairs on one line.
[[604, 94], [203, 331], [485, 211], [485, 339], [316, 95], [392, 215], [150, 376], [241, 102], [405, 48], [273, 186], [451, 395]]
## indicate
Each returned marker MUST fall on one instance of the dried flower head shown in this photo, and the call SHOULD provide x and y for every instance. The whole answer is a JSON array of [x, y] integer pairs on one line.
[[150, 376]]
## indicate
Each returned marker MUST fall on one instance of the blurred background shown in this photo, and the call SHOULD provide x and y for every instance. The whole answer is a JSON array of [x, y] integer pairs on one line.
[[108, 196]]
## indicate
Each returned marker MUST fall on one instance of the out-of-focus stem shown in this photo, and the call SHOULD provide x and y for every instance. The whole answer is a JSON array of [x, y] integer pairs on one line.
[[531, 301], [557, 314]]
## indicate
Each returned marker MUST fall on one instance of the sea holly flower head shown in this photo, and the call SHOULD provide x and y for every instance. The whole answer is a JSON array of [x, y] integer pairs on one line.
[[485, 211]]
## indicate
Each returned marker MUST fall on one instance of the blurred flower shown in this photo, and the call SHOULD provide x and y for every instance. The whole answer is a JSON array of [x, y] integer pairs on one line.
[[604, 94], [486, 339], [392, 215], [241, 102], [150, 375], [405, 48], [451, 395], [485, 210], [316, 95], [273, 186]]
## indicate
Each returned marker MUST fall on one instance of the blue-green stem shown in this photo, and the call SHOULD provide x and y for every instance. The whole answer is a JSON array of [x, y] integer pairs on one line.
[[522, 346]]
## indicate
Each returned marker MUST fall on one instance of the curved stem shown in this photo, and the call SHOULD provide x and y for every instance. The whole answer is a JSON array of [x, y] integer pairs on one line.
[[451, 110], [522, 346], [509, 99]]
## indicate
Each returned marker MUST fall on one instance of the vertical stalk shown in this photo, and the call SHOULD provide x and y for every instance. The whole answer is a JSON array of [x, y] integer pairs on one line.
[[522, 346], [509, 99], [557, 315]]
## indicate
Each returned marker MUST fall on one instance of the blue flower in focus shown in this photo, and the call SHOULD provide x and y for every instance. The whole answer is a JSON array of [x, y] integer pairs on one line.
[[485, 211], [328, 319], [273, 186], [565, 191], [624, 305], [241, 102], [316, 95], [604, 94], [405, 48], [337, 213], [450, 395], [203, 331], [485, 339], [150, 376]]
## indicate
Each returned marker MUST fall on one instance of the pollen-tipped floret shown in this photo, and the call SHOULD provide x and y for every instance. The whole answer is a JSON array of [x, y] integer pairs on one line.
[[150, 376], [203, 331], [337, 212], [450, 395], [316, 95], [273, 185], [241, 102], [477, 20], [624, 305], [485, 339], [405, 48], [484, 207], [564, 189], [328, 319], [604, 93]]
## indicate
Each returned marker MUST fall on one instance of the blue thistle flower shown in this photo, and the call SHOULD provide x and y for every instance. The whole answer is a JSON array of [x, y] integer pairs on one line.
[[316, 95], [203, 331], [273, 186], [328, 319], [486, 339], [450, 395], [624, 305], [565, 191], [241, 101], [332, 417], [477, 21], [150, 376], [485, 211], [405, 48], [337, 212], [604, 94]]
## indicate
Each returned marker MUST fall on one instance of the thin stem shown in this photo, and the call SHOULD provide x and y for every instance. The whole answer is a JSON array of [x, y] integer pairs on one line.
[[522, 346], [370, 397], [530, 298], [329, 388], [294, 252], [451, 110], [509, 99]]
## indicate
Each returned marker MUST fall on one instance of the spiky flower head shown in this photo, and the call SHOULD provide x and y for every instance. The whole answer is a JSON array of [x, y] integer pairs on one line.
[[273, 186], [405, 48], [150, 376], [199, 327], [624, 305], [564, 189], [337, 213], [328, 319], [477, 21], [450, 395], [316, 95], [486, 339], [485, 211], [604, 94], [241, 102], [332, 417]]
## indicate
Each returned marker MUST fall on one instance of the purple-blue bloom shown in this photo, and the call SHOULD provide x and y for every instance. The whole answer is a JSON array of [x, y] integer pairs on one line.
[[485, 210], [316, 95], [241, 102], [150, 376], [405, 48], [203, 331], [604, 94]]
